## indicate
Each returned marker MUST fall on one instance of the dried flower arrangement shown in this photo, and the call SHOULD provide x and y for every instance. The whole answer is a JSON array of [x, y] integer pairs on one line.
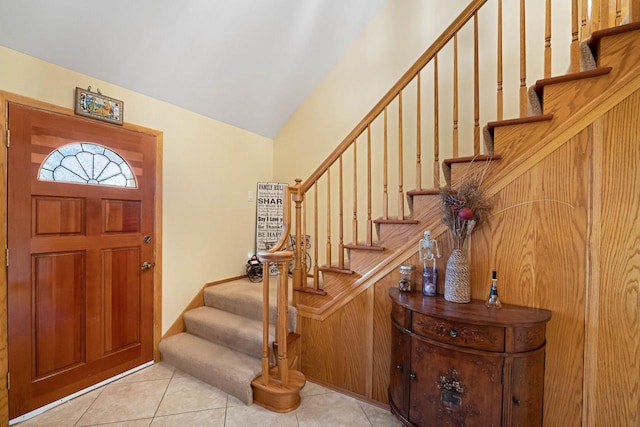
[[463, 208]]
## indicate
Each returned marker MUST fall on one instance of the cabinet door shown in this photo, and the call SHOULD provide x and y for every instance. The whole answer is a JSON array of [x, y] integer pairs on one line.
[[400, 359], [523, 399], [451, 387]]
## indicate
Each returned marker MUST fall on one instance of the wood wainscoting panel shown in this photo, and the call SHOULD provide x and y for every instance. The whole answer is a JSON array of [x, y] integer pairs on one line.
[[350, 349], [336, 351], [616, 318], [535, 238], [382, 339]]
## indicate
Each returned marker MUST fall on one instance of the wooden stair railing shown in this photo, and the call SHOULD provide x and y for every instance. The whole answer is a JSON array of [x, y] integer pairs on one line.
[[359, 171], [278, 388]]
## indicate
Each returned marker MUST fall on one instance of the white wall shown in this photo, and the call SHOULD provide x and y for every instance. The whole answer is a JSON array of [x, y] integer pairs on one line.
[[208, 169]]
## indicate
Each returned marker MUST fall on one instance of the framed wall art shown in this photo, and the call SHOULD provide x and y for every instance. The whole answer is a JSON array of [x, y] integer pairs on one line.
[[269, 216], [97, 106]]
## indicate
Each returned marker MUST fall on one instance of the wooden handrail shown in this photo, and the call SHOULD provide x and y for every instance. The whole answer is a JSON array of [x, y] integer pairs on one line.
[[424, 59], [582, 26], [286, 222], [453, 123]]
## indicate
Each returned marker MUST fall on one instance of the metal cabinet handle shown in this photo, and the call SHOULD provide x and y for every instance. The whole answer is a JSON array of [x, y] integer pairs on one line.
[[147, 265], [413, 376], [453, 333], [399, 368], [516, 401]]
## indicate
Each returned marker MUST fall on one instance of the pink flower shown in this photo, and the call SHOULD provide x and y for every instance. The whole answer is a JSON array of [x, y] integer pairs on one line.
[[465, 213]]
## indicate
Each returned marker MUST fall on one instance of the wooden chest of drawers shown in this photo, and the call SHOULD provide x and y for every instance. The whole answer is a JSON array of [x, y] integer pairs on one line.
[[465, 364]]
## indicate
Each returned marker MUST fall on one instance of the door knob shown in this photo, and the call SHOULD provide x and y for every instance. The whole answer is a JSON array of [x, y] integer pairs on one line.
[[147, 265]]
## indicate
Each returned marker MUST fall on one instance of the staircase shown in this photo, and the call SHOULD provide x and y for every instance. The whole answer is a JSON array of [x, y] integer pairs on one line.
[[543, 172], [511, 146], [343, 306], [222, 344]]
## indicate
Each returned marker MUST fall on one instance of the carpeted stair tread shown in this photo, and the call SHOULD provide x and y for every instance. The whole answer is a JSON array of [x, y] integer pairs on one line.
[[229, 329], [229, 370], [244, 298]]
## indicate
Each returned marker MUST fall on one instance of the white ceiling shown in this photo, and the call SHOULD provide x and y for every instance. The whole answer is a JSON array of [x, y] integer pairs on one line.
[[248, 63]]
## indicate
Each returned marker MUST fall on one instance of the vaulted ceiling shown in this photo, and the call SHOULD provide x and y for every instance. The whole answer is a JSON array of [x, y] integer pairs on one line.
[[248, 63]]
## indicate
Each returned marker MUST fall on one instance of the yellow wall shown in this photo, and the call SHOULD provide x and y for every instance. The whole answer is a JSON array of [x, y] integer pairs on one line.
[[389, 45], [209, 167]]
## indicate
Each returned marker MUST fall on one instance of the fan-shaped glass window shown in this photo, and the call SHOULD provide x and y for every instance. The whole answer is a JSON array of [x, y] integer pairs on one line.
[[87, 163]]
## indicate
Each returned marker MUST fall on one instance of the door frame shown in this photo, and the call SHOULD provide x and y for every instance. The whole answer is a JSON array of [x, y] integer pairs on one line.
[[5, 98]]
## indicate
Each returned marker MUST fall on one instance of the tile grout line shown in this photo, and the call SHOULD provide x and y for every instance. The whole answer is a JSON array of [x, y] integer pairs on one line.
[[226, 408], [173, 374]]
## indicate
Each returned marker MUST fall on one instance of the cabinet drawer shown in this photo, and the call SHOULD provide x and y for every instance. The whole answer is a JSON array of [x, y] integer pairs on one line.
[[480, 337]]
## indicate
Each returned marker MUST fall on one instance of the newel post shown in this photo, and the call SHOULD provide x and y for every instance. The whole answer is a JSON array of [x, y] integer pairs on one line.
[[277, 388], [298, 198]]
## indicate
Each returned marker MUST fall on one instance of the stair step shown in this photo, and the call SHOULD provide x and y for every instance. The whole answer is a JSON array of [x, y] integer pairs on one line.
[[423, 192], [335, 269], [231, 330], [509, 122], [595, 38], [539, 86], [469, 159], [364, 247], [229, 370], [395, 221], [482, 158], [419, 199], [490, 129], [244, 298]]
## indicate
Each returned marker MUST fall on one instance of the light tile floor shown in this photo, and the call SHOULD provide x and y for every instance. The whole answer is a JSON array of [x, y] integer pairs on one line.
[[160, 395]]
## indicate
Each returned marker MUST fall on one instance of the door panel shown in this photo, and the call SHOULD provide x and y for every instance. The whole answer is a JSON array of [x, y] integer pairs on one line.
[[80, 309], [455, 387], [121, 216], [57, 215], [122, 299], [58, 293]]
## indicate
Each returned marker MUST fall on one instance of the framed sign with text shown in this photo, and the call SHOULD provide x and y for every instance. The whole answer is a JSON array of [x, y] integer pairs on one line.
[[269, 215]]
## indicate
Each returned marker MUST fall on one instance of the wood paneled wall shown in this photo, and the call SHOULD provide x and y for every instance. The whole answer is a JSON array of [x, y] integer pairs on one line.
[[612, 375], [536, 241], [564, 236]]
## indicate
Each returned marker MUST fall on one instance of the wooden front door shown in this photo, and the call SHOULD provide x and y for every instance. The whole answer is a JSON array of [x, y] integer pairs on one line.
[[80, 227]]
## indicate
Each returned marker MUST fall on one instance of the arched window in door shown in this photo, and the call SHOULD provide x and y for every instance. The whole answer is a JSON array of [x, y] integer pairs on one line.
[[87, 163]]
